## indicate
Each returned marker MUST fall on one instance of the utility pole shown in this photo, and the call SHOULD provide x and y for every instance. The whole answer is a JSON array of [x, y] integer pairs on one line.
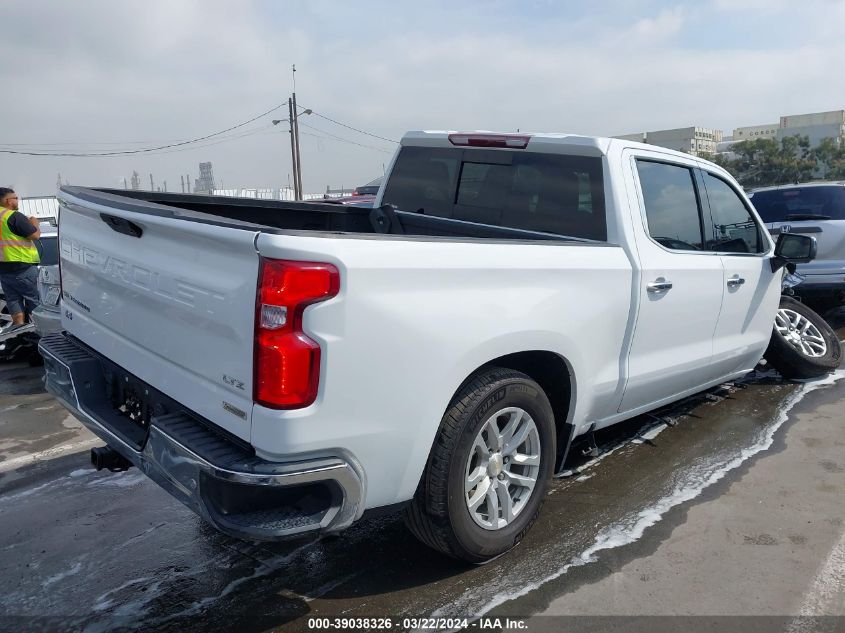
[[124, 184], [188, 182], [182, 178], [293, 149], [152, 186], [298, 158], [165, 185]]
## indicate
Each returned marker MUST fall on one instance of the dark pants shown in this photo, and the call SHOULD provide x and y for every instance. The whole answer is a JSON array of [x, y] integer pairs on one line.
[[21, 289]]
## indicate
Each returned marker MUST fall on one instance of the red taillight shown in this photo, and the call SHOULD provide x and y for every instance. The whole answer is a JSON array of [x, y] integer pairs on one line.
[[287, 362], [512, 141]]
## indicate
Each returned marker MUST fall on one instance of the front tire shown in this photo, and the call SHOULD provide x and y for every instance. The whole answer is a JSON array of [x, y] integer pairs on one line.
[[489, 468], [803, 345]]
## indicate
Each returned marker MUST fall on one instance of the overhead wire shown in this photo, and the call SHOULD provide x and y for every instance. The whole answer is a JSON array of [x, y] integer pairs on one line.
[[216, 141], [355, 129], [345, 140], [194, 143], [143, 150]]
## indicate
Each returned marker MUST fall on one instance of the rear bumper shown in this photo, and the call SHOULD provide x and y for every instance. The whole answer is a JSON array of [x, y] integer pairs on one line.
[[221, 480], [47, 321]]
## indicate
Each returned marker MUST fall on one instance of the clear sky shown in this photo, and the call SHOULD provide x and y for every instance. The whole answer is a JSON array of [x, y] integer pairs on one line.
[[110, 75]]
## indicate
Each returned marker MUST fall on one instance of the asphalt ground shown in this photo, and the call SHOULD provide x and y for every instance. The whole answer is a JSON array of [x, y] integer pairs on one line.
[[732, 508]]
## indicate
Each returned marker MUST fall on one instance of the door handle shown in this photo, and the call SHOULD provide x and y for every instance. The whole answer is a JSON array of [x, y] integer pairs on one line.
[[659, 285], [735, 281]]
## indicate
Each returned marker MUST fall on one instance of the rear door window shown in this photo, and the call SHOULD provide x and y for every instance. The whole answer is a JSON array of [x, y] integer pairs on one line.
[[549, 193], [671, 205]]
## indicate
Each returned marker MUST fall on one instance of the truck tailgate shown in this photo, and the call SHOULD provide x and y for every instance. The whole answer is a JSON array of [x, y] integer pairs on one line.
[[170, 300]]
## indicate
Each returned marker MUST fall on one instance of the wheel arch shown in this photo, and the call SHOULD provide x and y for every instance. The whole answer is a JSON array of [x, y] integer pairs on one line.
[[556, 378]]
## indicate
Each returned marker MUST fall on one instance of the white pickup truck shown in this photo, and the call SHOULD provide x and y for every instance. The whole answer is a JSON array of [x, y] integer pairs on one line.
[[286, 367]]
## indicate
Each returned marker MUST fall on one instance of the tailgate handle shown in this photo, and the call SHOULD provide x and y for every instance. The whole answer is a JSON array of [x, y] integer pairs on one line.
[[122, 225]]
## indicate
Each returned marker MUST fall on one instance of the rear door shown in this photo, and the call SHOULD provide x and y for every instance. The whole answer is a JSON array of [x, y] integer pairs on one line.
[[680, 291], [751, 289], [170, 300]]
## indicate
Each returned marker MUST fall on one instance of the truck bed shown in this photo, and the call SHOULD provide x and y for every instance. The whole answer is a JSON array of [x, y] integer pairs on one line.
[[278, 216]]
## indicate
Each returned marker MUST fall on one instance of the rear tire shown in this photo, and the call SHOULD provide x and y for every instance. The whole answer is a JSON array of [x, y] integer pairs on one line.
[[803, 345], [475, 507]]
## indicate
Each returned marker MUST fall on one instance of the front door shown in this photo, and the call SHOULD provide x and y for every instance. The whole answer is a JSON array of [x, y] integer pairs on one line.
[[680, 289], [751, 289]]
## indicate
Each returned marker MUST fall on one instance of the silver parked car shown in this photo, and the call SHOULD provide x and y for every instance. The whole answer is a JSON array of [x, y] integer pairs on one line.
[[816, 209]]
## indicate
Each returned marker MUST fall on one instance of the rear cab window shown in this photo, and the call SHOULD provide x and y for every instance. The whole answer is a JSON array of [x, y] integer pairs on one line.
[[549, 193]]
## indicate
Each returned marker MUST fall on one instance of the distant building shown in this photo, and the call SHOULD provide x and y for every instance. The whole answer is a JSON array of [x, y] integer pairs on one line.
[[816, 126], [725, 148], [205, 183], [692, 140], [639, 137], [753, 132]]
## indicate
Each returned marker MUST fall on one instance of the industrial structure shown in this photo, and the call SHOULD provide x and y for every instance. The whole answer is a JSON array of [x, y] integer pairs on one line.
[[697, 140], [205, 183], [816, 126], [693, 140]]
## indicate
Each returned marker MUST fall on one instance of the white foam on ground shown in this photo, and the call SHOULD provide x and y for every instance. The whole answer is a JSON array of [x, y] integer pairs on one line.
[[266, 568], [31, 491], [47, 454], [119, 480], [72, 571], [650, 434], [595, 460], [647, 432], [625, 532], [103, 602]]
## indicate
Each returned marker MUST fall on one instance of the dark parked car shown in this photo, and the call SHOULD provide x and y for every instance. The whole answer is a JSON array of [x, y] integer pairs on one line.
[[370, 189]]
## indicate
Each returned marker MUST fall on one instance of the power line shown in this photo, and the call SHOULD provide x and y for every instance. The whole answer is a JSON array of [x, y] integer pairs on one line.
[[345, 140], [145, 149], [217, 141], [355, 129], [81, 143]]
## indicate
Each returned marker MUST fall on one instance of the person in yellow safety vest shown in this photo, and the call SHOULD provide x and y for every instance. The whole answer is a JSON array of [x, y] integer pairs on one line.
[[18, 259]]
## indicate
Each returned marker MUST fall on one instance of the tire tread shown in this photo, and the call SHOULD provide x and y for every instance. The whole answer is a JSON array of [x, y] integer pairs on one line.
[[427, 515]]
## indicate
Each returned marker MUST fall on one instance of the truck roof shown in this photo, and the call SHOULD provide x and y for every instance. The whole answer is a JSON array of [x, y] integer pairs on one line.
[[536, 141]]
